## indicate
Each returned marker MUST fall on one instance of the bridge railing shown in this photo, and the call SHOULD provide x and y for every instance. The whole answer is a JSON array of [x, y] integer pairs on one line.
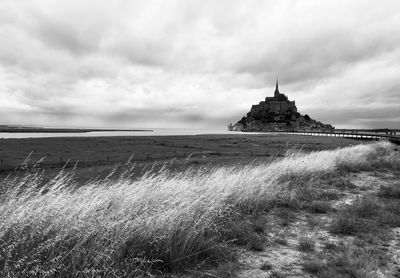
[[355, 135]]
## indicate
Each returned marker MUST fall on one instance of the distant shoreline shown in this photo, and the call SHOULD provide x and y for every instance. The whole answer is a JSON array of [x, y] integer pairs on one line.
[[21, 129], [16, 132]]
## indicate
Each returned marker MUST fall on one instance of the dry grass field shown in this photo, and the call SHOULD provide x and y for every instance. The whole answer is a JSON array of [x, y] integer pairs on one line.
[[324, 213]]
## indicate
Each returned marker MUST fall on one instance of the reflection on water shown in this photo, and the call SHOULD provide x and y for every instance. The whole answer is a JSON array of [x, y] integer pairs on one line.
[[155, 132]]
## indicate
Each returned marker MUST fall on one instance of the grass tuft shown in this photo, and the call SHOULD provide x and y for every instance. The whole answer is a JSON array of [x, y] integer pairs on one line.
[[391, 191], [345, 223], [330, 246], [265, 266], [276, 274], [366, 207], [256, 244], [346, 262], [286, 216], [315, 267], [226, 270], [281, 240], [318, 207], [306, 244]]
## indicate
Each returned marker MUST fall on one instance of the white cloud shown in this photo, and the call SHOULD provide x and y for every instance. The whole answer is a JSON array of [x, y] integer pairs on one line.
[[203, 63]]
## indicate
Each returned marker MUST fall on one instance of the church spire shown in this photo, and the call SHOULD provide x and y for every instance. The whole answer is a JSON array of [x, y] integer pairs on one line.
[[276, 93]]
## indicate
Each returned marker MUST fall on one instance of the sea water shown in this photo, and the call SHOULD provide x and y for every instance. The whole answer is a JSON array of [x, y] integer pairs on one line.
[[154, 132]]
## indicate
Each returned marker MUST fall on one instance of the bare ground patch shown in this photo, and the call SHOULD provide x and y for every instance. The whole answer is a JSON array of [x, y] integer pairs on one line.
[[308, 245]]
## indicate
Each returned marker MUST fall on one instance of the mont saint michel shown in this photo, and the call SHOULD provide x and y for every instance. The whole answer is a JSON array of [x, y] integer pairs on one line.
[[277, 113]]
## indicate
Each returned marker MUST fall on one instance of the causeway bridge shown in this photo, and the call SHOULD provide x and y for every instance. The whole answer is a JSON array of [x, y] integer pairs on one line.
[[364, 134]]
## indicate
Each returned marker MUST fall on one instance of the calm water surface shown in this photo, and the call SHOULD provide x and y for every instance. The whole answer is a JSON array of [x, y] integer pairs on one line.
[[155, 132]]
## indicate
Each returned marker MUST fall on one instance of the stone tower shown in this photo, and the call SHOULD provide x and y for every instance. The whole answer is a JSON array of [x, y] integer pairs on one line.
[[276, 93]]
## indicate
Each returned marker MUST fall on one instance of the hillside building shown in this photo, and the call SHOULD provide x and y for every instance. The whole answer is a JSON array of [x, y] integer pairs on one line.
[[277, 113], [279, 104]]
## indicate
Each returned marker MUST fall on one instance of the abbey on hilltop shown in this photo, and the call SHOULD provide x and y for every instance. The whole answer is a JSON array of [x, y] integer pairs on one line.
[[277, 113]]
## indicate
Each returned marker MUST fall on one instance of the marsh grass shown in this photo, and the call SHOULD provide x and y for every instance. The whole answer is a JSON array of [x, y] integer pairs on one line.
[[318, 206], [286, 216], [316, 267], [367, 215], [390, 191], [159, 222], [243, 230], [345, 223], [326, 194], [367, 207], [276, 274], [281, 240], [346, 261]]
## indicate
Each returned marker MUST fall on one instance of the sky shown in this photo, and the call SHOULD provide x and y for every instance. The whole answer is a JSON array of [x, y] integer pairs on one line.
[[197, 64]]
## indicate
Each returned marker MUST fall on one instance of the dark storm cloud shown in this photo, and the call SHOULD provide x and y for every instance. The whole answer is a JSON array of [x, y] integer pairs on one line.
[[184, 63]]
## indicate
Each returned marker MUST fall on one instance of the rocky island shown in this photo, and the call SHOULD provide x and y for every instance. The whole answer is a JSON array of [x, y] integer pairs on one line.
[[277, 113]]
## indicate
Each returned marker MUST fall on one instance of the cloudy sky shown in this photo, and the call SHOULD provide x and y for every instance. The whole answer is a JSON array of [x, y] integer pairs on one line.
[[199, 64]]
